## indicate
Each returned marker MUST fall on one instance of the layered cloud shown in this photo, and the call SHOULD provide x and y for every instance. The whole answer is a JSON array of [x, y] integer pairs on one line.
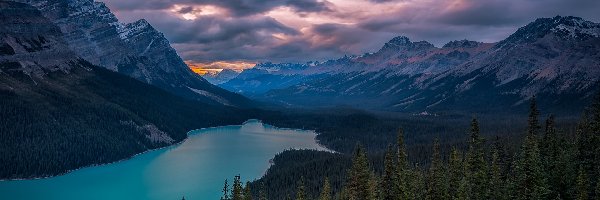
[[250, 31]]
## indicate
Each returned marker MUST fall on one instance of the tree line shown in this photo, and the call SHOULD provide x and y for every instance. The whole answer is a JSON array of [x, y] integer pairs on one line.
[[549, 164]]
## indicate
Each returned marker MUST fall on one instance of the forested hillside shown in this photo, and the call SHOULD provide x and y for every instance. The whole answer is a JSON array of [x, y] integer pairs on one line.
[[549, 164], [89, 116]]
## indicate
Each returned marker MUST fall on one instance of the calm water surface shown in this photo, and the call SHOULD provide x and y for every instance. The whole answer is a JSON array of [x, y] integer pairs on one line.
[[195, 169]]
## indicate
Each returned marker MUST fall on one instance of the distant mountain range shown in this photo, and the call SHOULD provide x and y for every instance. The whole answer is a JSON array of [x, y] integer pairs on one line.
[[556, 59], [137, 50], [219, 77]]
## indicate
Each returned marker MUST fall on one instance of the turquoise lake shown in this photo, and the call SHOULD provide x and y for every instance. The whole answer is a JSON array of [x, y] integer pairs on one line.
[[195, 168]]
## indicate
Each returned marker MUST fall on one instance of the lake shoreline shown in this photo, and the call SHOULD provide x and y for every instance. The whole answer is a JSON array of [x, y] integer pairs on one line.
[[157, 149]]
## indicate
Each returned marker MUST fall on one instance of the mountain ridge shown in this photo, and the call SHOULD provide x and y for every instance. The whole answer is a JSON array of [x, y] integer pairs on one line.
[[136, 49], [550, 57]]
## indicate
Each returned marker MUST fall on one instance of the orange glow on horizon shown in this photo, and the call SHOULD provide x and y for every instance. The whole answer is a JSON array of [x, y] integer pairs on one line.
[[213, 67]]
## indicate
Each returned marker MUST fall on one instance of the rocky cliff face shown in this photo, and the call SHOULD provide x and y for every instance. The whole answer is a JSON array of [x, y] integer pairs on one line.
[[136, 49], [554, 58], [30, 44]]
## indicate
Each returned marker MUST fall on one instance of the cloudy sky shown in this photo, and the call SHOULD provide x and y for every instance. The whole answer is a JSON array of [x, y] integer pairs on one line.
[[238, 33]]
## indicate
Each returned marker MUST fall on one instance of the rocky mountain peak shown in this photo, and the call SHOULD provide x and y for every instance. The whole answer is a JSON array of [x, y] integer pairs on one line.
[[133, 29], [566, 28], [404, 43], [462, 44], [399, 41]]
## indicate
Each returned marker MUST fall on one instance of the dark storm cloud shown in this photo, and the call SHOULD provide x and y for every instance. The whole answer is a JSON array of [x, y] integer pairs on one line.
[[186, 10], [235, 7], [247, 31], [214, 38], [477, 12], [304, 30]]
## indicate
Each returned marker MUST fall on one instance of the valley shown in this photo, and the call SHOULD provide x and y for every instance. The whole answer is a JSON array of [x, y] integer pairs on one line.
[[193, 169], [158, 100]]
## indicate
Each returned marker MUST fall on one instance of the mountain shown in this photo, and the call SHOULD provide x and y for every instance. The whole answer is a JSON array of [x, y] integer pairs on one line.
[[135, 49], [222, 76], [268, 76], [60, 112], [554, 59]]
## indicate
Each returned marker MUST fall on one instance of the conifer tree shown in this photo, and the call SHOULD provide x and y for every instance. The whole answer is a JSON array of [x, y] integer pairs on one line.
[[556, 154], [548, 147], [262, 194], [418, 188], [497, 189], [475, 165], [374, 190], [529, 181], [597, 187], [586, 145], [237, 190], [389, 178], [403, 176], [247, 191], [225, 191], [595, 137], [359, 176], [437, 188], [564, 176], [463, 191], [326, 192], [301, 191], [455, 173], [583, 185], [504, 157]]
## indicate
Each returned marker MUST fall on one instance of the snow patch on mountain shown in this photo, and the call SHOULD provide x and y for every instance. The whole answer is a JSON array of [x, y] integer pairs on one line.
[[211, 95]]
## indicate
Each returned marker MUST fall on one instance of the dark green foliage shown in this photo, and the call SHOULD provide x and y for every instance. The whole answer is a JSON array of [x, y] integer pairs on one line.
[[588, 140], [417, 184], [437, 187], [557, 156], [359, 177], [389, 180], [543, 168], [326, 193], [301, 191], [583, 185], [262, 194], [67, 121], [597, 187], [476, 165], [341, 130], [225, 191], [528, 177], [497, 185], [455, 174], [247, 192], [314, 166], [237, 189]]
